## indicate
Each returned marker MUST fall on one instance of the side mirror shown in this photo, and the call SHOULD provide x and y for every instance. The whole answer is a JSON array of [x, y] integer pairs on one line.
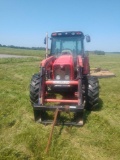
[[88, 39], [45, 40]]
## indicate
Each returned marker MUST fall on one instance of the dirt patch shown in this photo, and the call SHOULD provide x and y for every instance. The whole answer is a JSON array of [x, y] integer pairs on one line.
[[12, 56]]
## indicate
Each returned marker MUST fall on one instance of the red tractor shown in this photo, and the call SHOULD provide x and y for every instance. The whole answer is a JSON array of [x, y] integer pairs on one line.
[[65, 71]]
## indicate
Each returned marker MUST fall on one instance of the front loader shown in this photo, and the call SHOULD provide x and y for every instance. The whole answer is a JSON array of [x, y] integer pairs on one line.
[[65, 71]]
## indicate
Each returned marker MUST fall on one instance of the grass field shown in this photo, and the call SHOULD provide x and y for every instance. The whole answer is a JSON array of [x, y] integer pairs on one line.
[[23, 139], [23, 52]]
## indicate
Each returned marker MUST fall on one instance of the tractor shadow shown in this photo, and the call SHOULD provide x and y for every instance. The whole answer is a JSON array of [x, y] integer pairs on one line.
[[87, 113]]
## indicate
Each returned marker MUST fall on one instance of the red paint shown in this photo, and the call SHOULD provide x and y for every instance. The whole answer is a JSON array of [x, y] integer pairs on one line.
[[61, 100], [80, 61], [65, 60], [62, 82], [47, 62], [86, 67]]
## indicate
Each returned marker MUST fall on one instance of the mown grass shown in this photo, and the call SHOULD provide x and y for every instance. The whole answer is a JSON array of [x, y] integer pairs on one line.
[[23, 139]]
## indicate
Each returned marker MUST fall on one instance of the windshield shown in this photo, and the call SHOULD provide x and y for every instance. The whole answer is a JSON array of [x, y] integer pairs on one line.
[[69, 45]]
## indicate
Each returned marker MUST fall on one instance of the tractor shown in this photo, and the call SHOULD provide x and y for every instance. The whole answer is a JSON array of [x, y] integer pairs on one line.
[[66, 72]]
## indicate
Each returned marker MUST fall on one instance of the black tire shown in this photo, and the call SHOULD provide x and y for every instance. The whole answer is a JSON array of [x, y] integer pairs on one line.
[[35, 88], [92, 95], [34, 96]]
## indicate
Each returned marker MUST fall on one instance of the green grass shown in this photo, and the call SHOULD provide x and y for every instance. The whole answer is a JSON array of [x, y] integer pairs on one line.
[[23, 52], [23, 139]]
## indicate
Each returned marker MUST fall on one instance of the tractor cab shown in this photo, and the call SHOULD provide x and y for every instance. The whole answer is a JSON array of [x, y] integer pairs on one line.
[[70, 43]]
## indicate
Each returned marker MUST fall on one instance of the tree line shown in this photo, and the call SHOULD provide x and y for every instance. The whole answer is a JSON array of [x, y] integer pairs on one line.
[[19, 47], [96, 52]]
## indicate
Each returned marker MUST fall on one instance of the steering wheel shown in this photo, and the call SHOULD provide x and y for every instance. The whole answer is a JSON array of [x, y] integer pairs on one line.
[[66, 51]]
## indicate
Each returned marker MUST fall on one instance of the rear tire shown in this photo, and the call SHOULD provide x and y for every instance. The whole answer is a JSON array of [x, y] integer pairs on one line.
[[92, 95]]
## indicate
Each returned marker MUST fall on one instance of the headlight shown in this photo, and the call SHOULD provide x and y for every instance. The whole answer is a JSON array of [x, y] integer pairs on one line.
[[67, 77], [58, 77]]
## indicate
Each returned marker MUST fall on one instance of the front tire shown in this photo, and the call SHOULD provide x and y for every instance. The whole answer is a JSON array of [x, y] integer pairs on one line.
[[92, 95], [35, 88], [34, 96]]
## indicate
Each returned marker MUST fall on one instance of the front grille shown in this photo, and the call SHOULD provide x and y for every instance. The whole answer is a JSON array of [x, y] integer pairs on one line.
[[61, 72]]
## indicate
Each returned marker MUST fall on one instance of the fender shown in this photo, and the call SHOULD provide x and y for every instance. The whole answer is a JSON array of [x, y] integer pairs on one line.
[[47, 62], [80, 61], [86, 66]]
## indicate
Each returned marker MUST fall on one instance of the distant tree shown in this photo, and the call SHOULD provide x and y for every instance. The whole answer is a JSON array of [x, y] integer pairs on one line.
[[97, 52], [18, 47]]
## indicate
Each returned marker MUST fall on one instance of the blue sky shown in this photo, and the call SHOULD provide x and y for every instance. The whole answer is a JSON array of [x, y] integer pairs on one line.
[[25, 22]]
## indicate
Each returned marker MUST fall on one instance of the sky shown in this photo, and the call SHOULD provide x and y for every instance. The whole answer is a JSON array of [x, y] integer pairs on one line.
[[25, 22]]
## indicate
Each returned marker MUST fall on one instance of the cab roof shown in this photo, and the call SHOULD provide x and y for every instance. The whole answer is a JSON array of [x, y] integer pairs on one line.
[[67, 33]]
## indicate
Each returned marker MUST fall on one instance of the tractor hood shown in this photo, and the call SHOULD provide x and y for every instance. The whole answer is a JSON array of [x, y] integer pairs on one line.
[[64, 60], [63, 68]]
